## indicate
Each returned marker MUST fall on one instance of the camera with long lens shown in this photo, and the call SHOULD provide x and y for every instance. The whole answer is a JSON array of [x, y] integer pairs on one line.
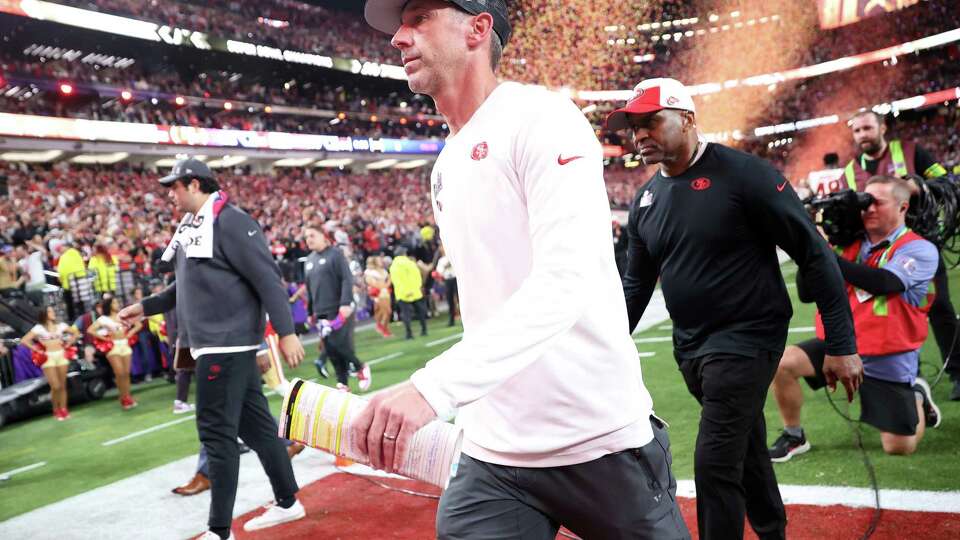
[[839, 214]]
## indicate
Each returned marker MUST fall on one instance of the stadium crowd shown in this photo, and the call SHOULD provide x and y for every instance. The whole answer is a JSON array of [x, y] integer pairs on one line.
[[279, 23], [606, 57]]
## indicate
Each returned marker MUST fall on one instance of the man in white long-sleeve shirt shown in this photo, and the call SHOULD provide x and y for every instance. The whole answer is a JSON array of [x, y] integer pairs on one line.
[[546, 383]]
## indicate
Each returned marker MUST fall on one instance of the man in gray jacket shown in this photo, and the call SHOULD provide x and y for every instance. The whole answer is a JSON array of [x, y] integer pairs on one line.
[[329, 283], [226, 279]]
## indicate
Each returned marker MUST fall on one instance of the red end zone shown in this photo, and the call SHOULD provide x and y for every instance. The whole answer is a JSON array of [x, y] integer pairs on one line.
[[343, 506]]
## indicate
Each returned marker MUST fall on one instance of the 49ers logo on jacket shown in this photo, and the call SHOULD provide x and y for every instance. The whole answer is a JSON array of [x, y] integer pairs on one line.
[[700, 184], [480, 151]]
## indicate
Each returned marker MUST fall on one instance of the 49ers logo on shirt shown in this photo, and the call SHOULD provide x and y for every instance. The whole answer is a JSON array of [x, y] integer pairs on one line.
[[700, 184], [480, 151]]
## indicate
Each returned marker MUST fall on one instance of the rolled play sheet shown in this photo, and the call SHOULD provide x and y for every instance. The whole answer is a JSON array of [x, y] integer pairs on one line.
[[321, 417]]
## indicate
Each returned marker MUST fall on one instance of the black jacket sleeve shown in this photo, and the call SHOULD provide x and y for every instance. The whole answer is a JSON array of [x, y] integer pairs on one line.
[[250, 257], [925, 163], [875, 281], [165, 300], [640, 278], [774, 208], [346, 280]]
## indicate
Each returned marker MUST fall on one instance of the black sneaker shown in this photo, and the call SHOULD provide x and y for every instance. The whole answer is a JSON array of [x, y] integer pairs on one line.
[[930, 410], [786, 446], [322, 369]]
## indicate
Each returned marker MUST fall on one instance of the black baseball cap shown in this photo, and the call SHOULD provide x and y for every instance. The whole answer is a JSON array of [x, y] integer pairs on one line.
[[187, 168], [384, 15]]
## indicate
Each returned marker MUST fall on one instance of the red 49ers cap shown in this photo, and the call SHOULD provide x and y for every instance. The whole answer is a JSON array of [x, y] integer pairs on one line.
[[650, 96]]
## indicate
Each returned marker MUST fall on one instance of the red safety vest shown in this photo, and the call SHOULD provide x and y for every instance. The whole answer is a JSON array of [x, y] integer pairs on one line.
[[885, 324]]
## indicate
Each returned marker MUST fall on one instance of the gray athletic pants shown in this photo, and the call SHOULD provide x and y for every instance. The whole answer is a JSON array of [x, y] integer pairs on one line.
[[629, 494]]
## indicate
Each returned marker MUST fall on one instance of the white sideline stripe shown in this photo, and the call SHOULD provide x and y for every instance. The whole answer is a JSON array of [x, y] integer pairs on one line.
[[390, 356], [171, 516], [646, 354], [665, 328], [8, 474], [658, 339], [136, 434], [801, 329], [890, 499], [444, 340]]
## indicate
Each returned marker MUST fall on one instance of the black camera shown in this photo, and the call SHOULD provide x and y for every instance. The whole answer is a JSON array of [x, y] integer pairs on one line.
[[840, 214]]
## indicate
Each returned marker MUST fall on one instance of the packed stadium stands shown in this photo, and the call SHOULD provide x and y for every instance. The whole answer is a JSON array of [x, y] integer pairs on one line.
[[299, 108]]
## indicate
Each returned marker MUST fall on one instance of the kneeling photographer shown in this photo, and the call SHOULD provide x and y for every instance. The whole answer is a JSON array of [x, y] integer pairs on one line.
[[889, 271]]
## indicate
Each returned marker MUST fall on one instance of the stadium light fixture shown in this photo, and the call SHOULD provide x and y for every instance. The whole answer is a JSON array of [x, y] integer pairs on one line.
[[293, 162], [381, 164], [333, 162], [100, 159], [412, 164], [31, 157], [227, 161]]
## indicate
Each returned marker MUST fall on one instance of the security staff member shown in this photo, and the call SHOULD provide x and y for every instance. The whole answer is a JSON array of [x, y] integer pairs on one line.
[[226, 279], [899, 158], [888, 274], [708, 224], [329, 283]]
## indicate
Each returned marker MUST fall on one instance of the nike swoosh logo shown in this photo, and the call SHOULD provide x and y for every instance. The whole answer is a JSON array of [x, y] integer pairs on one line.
[[563, 161], [781, 186], [251, 233]]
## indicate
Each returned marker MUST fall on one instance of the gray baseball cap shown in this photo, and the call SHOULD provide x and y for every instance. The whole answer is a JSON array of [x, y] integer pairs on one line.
[[384, 15], [187, 168]]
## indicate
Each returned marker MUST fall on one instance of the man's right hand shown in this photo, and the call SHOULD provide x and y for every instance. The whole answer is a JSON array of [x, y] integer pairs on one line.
[[131, 314], [848, 369], [292, 349]]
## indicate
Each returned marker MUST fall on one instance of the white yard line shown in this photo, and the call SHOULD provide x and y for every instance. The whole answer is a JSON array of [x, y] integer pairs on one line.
[[136, 434], [658, 339], [801, 329], [391, 356], [8, 474], [444, 340], [646, 354], [890, 499]]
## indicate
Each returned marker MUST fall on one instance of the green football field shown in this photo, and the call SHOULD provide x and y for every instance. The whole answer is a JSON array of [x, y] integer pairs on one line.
[[77, 460]]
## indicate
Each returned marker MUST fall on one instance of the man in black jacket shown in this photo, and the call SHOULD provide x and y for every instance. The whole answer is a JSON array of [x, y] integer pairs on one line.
[[707, 225], [329, 283], [226, 279]]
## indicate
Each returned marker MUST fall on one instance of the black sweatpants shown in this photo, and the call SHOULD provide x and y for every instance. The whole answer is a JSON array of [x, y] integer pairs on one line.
[[943, 320], [230, 403], [419, 308], [453, 297], [340, 349], [732, 468], [626, 495]]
